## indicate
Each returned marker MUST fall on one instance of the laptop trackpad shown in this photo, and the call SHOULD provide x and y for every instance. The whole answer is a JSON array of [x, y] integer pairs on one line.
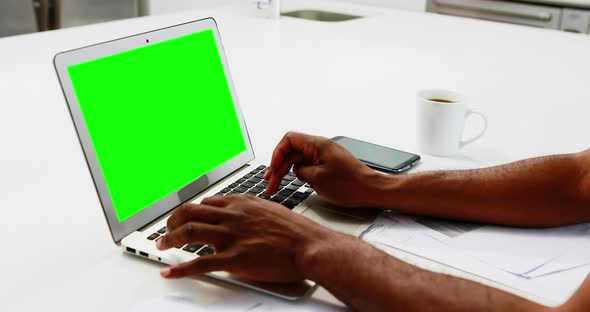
[[350, 221]]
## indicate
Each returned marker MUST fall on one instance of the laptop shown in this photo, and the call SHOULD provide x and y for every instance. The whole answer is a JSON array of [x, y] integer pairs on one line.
[[160, 124]]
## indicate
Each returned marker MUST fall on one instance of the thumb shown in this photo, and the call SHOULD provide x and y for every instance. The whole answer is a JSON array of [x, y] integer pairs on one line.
[[307, 173], [199, 266]]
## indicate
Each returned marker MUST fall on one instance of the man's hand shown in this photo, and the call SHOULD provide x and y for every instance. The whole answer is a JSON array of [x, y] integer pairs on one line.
[[336, 175], [253, 238]]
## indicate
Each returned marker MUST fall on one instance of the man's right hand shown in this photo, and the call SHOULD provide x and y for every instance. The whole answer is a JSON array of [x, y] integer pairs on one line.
[[336, 175]]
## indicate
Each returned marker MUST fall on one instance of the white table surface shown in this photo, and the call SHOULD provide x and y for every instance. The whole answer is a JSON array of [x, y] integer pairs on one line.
[[356, 78]]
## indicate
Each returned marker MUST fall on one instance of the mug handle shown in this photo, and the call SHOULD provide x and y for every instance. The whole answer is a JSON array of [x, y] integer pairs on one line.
[[483, 131]]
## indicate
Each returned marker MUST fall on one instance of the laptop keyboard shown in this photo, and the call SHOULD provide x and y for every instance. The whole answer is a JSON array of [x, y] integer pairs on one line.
[[291, 192]]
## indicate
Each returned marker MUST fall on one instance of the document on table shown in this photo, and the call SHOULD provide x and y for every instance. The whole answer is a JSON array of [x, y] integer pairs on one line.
[[522, 251], [576, 257], [521, 258]]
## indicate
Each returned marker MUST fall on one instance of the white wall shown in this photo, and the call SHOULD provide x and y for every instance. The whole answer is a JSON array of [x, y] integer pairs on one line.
[[167, 6]]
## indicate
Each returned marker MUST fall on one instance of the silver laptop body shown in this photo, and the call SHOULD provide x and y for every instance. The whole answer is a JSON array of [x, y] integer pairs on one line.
[[136, 233]]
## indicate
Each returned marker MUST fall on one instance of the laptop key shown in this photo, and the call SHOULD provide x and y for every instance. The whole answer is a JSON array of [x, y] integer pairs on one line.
[[255, 171], [248, 176], [240, 180], [295, 199], [192, 247], [257, 190], [309, 191], [240, 189], [247, 184], [162, 230], [262, 184], [254, 180], [206, 251], [225, 190], [286, 192], [292, 187], [278, 198], [289, 177], [153, 236], [234, 185], [298, 182], [290, 203], [284, 182], [300, 195], [264, 196], [260, 175], [261, 167]]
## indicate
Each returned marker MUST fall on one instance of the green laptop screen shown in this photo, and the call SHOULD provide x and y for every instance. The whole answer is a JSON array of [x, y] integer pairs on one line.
[[159, 117]]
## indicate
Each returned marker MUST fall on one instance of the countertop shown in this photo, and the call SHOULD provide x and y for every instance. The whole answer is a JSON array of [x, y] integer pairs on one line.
[[357, 78]]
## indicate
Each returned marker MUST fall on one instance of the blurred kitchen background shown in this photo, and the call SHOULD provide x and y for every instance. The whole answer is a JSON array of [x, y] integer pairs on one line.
[[27, 16]]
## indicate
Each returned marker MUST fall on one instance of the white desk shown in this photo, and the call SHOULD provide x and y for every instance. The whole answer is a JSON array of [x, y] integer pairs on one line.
[[355, 78]]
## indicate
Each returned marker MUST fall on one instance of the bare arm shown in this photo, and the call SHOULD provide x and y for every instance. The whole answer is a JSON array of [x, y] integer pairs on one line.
[[537, 192], [375, 281], [241, 228], [545, 191], [244, 227]]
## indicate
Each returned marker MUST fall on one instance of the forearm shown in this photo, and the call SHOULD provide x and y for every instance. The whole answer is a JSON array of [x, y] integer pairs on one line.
[[542, 191], [368, 279]]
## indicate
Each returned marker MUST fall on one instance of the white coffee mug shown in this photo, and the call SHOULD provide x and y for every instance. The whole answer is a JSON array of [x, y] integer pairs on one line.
[[440, 119]]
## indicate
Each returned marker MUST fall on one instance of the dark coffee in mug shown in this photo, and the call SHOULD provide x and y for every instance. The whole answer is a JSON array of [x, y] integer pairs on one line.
[[441, 100]]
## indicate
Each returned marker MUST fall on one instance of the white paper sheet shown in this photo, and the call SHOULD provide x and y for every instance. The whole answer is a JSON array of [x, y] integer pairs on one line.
[[577, 256], [519, 250], [554, 287], [429, 242], [391, 229]]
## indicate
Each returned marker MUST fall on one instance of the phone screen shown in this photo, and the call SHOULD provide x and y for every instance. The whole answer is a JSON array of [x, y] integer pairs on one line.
[[376, 154]]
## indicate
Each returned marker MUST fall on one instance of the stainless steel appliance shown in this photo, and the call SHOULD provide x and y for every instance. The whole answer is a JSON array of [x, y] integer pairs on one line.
[[572, 15], [83, 12], [26, 16], [21, 17]]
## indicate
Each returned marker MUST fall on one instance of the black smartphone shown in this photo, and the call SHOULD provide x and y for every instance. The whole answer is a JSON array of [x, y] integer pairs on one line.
[[379, 157]]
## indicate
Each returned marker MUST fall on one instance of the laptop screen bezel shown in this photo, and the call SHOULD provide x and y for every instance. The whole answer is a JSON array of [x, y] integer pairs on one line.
[[65, 59]]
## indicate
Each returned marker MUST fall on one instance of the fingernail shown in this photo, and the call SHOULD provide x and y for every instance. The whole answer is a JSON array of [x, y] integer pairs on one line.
[[159, 243], [165, 272]]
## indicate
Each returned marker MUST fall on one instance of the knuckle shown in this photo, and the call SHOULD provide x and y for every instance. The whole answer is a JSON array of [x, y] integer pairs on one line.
[[206, 200], [182, 211], [322, 141], [230, 199], [186, 208], [188, 230]]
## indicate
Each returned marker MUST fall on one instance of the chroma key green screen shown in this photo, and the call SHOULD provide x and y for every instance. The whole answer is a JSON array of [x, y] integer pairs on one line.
[[159, 117]]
